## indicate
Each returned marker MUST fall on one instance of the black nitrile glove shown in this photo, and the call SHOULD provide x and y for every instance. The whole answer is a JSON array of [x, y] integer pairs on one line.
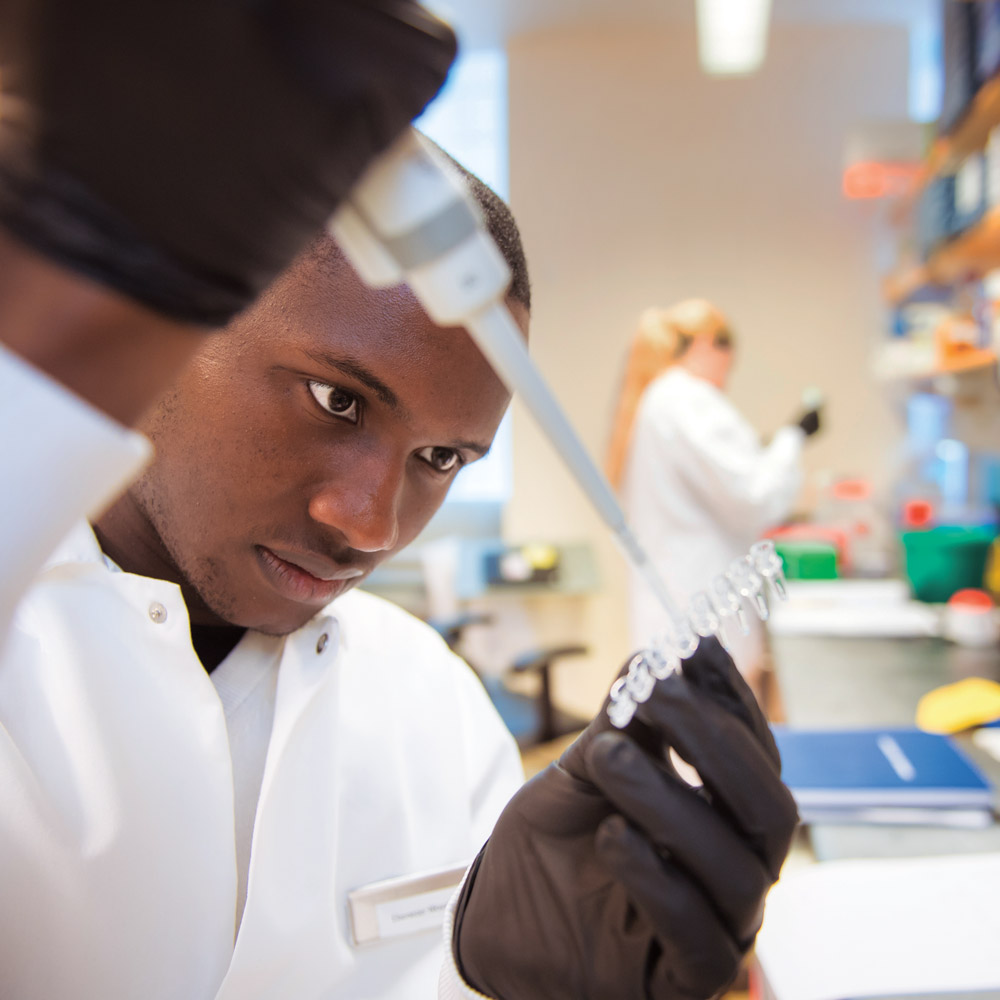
[[183, 151], [810, 422], [609, 878]]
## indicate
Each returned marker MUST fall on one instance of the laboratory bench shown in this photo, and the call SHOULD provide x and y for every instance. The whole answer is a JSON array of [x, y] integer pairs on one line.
[[884, 924], [831, 681]]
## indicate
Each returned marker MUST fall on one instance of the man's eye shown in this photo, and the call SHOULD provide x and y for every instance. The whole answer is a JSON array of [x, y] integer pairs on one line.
[[337, 402], [441, 459]]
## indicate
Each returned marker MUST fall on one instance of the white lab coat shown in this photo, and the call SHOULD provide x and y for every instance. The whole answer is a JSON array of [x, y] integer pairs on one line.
[[699, 489], [117, 858]]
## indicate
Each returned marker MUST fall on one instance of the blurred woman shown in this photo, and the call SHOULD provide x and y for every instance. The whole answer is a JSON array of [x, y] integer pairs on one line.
[[697, 484]]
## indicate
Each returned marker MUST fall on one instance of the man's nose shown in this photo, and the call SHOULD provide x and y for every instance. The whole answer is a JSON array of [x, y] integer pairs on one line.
[[362, 504]]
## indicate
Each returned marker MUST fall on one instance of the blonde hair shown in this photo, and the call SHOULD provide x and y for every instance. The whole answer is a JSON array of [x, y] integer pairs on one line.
[[661, 339]]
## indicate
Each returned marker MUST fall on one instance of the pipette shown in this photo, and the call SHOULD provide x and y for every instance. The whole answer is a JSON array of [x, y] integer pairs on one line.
[[410, 218]]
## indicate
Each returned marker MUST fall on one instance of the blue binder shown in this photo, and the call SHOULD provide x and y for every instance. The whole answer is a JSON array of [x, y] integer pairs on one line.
[[856, 768]]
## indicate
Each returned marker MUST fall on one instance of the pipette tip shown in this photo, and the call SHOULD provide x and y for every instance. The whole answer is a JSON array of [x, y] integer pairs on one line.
[[747, 580]]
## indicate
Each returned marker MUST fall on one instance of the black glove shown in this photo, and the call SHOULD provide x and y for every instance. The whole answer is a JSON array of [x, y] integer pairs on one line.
[[809, 422], [609, 878], [183, 151]]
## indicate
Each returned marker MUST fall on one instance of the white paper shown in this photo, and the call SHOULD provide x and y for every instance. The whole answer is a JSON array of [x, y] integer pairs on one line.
[[987, 738], [852, 608], [963, 819], [893, 927]]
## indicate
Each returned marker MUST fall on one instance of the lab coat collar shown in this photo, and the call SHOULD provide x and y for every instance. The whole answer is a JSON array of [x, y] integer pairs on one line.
[[81, 546], [679, 374]]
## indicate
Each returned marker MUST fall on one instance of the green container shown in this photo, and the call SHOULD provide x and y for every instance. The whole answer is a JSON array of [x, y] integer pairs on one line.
[[942, 560], [808, 560]]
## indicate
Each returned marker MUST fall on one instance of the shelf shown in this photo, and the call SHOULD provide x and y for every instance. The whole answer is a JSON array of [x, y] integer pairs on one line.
[[965, 258], [953, 368], [970, 134], [899, 361], [968, 256], [948, 151], [973, 360], [903, 284]]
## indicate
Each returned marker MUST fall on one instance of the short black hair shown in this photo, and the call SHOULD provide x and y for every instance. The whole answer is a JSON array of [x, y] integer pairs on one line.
[[502, 227], [499, 223]]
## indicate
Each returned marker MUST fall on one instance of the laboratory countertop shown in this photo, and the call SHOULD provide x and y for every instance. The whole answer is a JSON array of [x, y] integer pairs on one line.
[[867, 681]]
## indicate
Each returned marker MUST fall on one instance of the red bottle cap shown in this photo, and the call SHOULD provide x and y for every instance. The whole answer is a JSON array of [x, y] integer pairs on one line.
[[971, 599], [917, 513]]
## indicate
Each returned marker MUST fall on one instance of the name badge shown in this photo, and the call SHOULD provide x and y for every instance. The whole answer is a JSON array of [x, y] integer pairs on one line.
[[400, 906]]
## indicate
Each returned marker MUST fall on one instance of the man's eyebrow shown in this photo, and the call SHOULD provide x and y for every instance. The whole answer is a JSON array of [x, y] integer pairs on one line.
[[359, 372], [481, 450]]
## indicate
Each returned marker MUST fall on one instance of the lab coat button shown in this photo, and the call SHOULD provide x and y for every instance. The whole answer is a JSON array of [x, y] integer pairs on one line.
[[157, 613], [321, 642]]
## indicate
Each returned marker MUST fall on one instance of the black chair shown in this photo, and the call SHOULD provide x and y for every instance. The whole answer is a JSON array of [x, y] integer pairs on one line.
[[532, 719]]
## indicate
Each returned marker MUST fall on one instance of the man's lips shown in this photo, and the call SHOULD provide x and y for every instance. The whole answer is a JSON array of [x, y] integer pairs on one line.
[[305, 577], [316, 566]]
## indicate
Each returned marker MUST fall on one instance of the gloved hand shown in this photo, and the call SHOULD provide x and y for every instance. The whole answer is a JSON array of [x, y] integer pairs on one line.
[[609, 878], [810, 422], [183, 151]]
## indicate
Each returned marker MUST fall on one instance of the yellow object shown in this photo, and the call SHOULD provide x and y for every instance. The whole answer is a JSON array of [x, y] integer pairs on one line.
[[958, 706], [991, 578], [540, 556]]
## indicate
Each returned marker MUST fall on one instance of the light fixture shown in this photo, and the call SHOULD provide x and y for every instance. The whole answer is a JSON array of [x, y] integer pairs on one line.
[[732, 35]]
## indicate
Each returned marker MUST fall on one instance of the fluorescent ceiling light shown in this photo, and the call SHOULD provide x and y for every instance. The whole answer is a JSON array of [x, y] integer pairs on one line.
[[732, 35]]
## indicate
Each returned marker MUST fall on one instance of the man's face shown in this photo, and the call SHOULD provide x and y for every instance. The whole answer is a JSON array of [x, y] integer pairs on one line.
[[311, 440]]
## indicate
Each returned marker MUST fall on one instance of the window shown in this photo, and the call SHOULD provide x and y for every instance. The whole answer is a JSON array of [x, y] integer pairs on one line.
[[469, 117], [926, 71], [469, 120]]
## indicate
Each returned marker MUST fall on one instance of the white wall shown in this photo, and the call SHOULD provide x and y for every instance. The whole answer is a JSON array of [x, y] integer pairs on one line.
[[636, 181]]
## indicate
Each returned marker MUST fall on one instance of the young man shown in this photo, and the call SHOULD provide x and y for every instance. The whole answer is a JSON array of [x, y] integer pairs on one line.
[[148, 815], [208, 744], [205, 745]]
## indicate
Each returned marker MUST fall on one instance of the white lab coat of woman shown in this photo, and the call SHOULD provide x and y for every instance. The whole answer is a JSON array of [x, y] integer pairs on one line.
[[697, 484]]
